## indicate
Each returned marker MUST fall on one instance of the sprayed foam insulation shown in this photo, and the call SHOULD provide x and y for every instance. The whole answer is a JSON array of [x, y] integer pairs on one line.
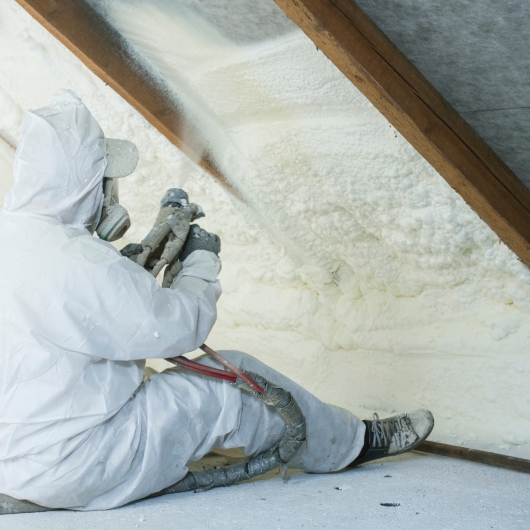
[[352, 266]]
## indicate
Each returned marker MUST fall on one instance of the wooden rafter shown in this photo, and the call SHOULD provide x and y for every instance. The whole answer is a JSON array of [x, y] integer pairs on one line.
[[349, 38], [104, 51]]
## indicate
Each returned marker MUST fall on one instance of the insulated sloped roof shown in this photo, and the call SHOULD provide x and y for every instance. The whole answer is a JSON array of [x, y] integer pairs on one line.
[[352, 42], [351, 264]]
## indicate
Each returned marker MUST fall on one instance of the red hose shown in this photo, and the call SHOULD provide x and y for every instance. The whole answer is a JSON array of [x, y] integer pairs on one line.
[[233, 368], [215, 372], [202, 369], [200, 366]]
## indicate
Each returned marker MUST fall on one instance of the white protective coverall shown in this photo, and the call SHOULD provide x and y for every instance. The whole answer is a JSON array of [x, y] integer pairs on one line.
[[78, 427]]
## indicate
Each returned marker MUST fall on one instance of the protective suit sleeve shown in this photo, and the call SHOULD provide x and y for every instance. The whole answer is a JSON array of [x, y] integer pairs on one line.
[[114, 309], [200, 265]]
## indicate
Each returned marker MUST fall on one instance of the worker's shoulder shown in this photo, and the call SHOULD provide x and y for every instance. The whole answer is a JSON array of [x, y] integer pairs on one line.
[[86, 248]]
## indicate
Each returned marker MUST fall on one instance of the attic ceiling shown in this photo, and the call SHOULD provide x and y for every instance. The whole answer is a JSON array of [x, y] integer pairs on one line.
[[354, 45], [475, 53]]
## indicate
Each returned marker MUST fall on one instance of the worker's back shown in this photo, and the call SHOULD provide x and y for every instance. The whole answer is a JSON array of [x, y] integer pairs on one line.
[[51, 387]]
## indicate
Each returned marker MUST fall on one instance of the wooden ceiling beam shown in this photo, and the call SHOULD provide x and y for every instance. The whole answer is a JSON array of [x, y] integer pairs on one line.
[[106, 53], [356, 46]]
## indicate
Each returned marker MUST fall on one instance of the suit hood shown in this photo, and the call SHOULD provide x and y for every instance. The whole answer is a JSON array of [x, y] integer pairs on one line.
[[59, 164]]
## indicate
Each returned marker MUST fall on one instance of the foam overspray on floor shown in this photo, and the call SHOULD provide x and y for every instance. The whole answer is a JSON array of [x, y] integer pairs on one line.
[[353, 267]]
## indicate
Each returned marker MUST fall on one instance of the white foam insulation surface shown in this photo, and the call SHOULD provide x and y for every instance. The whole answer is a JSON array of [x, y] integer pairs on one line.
[[351, 266]]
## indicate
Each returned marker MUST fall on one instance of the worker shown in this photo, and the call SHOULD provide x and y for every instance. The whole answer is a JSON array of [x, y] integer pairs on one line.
[[80, 428]]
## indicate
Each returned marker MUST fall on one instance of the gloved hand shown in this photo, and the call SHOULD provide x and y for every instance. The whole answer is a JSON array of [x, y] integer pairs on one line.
[[199, 239]]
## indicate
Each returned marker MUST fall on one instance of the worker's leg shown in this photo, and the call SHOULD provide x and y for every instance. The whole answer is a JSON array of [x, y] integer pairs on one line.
[[174, 418], [334, 436]]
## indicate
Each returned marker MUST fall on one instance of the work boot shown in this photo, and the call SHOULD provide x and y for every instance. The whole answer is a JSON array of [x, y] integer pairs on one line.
[[394, 435]]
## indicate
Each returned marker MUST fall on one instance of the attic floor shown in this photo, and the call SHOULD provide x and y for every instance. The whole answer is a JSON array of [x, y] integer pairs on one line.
[[433, 493]]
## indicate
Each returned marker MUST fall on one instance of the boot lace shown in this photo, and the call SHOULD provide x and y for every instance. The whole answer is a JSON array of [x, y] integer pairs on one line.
[[382, 431]]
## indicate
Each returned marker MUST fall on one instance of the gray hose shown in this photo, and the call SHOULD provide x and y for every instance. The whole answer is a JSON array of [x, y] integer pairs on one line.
[[279, 455]]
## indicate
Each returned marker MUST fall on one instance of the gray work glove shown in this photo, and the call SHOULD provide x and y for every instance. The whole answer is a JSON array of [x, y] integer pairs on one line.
[[199, 239]]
